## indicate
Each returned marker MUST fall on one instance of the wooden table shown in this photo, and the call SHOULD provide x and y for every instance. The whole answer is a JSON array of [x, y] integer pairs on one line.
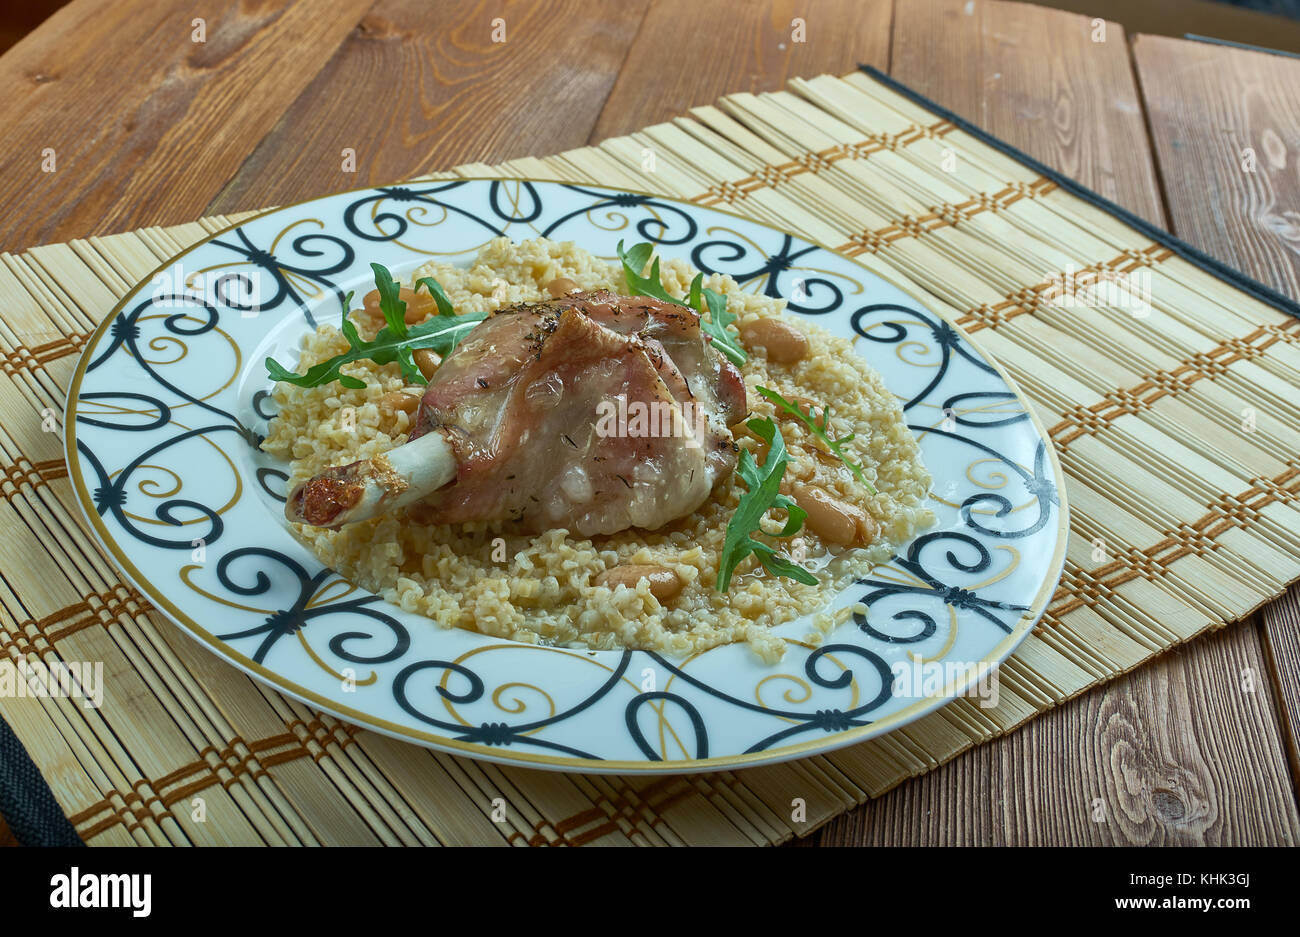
[[145, 126]]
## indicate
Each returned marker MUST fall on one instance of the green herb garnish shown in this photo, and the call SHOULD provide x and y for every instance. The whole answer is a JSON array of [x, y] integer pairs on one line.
[[819, 430], [434, 289], [394, 342], [763, 482], [634, 261], [716, 325]]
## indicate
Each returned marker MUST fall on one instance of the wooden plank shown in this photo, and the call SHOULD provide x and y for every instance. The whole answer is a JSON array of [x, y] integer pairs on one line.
[[1037, 79], [1280, 623], [423, 86], [1171, 754], [1226, 127], [1112, 752], [144, 125], [690, 52]]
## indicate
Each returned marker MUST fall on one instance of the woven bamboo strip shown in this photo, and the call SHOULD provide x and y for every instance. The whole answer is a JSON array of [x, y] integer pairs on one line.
[[314, 798], [327, 750], [859, 92], [384, 794], [90, 644], [1198, 518], [186, 700], [859, 97], [607, 811], [172, 247], [442, 805], [65, 529]]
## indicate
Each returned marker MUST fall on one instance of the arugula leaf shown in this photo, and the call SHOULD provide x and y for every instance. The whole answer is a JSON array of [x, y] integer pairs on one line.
[[716, 325], [819, 430], [634, 261], [763, 482], [396, 341], [391, 303], [435, 290]]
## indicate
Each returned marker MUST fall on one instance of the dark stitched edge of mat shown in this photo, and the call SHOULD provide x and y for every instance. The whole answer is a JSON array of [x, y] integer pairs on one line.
[[1218, 268], [26, 801]]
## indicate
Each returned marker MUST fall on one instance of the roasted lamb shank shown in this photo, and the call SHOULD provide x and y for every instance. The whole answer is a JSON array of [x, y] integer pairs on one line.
[[527, 421]]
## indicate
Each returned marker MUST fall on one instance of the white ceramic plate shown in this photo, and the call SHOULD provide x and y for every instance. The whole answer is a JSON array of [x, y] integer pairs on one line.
[[170, 400]]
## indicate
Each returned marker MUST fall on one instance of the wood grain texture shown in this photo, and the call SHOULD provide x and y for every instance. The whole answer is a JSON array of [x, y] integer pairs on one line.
[[1226, 127], [1133, 753], [421, 86], [1280, 624], [1037, 79], [1179, 752], [146, 125], [690, 52]]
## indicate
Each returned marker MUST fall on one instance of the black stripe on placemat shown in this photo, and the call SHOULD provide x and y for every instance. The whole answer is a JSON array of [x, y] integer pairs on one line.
[[1218, 268], [26, 802]]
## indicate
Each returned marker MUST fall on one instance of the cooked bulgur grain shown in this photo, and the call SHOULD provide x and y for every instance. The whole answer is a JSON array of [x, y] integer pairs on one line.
[[545, 591]]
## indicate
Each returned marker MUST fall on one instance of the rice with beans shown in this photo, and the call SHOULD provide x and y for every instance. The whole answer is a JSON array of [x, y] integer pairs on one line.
[[541, 588]]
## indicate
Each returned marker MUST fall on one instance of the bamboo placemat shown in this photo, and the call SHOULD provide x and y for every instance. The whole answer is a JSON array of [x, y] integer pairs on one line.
[[1178, 432]]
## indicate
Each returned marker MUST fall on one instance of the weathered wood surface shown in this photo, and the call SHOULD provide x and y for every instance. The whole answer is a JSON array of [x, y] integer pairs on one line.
[[261, 112], [1104, 768]]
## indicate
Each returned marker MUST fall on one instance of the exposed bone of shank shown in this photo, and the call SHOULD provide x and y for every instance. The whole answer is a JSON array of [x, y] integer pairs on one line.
[[370, 487]]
